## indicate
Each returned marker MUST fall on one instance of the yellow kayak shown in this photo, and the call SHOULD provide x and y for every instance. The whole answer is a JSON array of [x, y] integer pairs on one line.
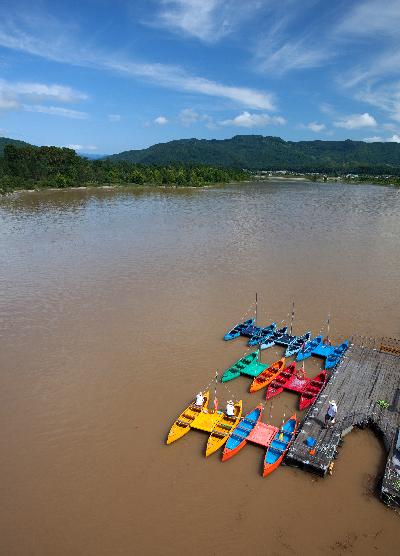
[[222, 430], [182, 425]]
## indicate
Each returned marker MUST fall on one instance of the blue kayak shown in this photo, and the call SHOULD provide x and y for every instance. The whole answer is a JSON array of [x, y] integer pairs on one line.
[[279, 446], [308, 348], [296, 345], [238, 329], [238, 436], [262, 335], [272, 339], [333, 359]]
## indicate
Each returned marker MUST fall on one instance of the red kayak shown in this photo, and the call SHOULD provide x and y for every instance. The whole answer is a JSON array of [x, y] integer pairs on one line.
[[312, 390], [292, 380], [280, 381]]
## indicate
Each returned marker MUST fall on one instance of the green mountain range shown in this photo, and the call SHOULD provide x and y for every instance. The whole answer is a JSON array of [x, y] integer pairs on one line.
[[256, 152]]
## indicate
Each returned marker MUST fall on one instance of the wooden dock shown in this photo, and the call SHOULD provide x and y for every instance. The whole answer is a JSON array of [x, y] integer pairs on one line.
[[364, 377]]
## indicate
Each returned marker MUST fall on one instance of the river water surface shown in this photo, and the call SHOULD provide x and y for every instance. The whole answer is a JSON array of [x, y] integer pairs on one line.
[[113, 305]]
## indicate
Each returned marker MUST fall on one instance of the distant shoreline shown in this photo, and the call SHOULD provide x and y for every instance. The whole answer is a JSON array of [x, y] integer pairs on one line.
[[124, 186], [266, 180]]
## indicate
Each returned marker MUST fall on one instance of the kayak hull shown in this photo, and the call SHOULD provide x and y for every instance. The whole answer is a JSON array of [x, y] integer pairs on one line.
[[308, 348], [181, 425], [220, 433], [237, 330], [272, 339], [279, 446], [267, 376], [336, 356], [238, 437]]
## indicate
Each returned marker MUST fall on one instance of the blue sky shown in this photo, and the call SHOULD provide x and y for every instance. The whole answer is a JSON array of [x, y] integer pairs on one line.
[[106, 76]]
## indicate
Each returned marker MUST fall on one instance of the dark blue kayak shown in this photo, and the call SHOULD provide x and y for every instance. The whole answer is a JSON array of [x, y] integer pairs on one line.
[[287, 339], [295, 346], [262, 335], [272, 339], [238, 329]]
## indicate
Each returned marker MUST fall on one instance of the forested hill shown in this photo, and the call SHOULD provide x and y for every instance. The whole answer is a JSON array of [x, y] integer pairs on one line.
[[256, 152], [5, 141]]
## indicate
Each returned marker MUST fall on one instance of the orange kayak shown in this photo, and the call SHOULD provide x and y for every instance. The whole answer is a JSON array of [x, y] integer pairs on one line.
[[267, 376]]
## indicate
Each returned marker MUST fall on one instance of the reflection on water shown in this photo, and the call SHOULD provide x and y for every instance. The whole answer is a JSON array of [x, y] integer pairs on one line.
[[112, 308]]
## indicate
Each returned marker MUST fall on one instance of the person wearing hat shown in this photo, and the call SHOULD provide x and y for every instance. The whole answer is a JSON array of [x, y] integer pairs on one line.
[[230, 408], [331, 414], [199, 399]]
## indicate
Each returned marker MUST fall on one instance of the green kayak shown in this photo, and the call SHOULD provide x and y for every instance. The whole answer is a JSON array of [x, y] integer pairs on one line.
[[248, 365]]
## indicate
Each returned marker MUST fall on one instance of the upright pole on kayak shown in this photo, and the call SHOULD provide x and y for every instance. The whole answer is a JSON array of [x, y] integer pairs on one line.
[[328, 323], [256, 310], [281, 437], [292, 319], [215, 393]]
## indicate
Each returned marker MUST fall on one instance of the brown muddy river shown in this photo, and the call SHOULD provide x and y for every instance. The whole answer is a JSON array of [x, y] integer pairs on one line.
[[113, 305]]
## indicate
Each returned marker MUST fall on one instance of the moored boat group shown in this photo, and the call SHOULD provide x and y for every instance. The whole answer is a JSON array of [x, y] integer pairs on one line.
[[228, 429]]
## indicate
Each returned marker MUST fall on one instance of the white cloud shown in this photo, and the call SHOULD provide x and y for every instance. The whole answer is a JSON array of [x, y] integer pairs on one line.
[[364, 30], [84, 148], [371, 22], [371, 17], [13, 95], [56, 111], [188, 116], [356, 121], [160, 120], [206, 20], [316, 127], [246, 119], [114, 117], [288, 45], [176, 78], [384, 65], [8, 103], [386, 97], [36, 36], [292, 55], [394, 139], [42, 91]]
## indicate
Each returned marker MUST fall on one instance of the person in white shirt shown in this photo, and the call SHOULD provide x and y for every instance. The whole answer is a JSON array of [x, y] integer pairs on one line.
[[199, 399], [230, 408], [331, 413]]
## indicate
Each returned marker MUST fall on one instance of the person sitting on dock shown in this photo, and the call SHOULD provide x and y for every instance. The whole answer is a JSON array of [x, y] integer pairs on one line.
[[230, 408], [199, 399], [331, 414]]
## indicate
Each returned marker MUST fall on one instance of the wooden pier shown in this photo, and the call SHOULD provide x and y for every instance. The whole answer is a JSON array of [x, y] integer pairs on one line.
[[366, 376]]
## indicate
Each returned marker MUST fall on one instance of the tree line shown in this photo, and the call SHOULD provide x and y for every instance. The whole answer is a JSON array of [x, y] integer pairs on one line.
[[33, 167]]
